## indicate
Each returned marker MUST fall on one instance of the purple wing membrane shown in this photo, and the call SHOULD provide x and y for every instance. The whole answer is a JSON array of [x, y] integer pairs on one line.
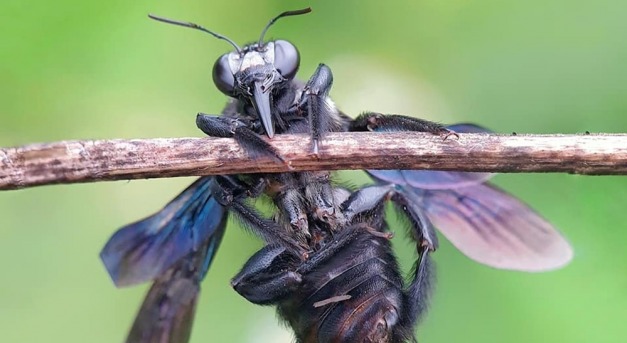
[[482, 221], [146, 249], [494, 228]]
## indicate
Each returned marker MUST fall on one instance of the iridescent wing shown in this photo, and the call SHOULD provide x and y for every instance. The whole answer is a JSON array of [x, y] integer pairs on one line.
[[167, 313], [146, 249], [482, 221]]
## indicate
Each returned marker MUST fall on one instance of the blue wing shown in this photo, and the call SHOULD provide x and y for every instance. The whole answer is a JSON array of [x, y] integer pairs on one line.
[[167, 313], [485, 223], [146, 249]]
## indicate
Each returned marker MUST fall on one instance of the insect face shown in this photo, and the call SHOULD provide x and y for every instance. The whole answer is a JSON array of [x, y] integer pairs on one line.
[[255, 72], [252, 74]]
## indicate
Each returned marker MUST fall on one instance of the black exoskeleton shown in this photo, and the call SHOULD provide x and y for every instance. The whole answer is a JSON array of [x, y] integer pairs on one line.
[[350, 288], [327, 264], [348, 255]]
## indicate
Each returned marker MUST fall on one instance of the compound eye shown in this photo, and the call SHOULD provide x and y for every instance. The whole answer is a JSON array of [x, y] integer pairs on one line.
[[286, 59], [222, 76]]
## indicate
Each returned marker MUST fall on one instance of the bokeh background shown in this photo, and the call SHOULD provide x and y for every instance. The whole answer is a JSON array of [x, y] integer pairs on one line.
[[74, 69]]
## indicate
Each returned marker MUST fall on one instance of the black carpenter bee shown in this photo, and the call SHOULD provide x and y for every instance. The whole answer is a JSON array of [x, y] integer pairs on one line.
[[327, 263]]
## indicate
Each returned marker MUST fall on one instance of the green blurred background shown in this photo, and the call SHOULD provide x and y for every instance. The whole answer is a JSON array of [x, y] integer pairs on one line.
[[95, 70]]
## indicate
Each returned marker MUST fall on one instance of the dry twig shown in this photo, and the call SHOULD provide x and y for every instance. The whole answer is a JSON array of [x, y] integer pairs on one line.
[[99, 160]]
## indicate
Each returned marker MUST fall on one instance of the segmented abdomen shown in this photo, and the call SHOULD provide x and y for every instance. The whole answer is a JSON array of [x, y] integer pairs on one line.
[[356, 296]]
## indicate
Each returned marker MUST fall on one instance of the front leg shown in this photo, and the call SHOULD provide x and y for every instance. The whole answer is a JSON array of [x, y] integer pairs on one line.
[[323, 115], [241, 130]]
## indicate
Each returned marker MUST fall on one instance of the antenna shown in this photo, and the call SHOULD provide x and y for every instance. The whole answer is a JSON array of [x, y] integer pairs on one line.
[[198, 27], [284, 14]]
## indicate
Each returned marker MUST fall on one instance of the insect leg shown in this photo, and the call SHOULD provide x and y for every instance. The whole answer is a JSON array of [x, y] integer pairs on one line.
[[319, 109], [239, 129], [291, 204], [319, 191], [365, 200], [233, 194], [422, 229], [419, 291], [423, 232], [372, 121], [369, 198], [265, 278]]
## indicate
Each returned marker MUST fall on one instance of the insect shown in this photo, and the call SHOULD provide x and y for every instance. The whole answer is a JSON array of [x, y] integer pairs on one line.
[[327, 264]]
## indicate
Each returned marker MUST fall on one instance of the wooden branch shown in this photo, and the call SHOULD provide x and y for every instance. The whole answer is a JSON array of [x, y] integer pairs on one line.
[[99, 160]]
